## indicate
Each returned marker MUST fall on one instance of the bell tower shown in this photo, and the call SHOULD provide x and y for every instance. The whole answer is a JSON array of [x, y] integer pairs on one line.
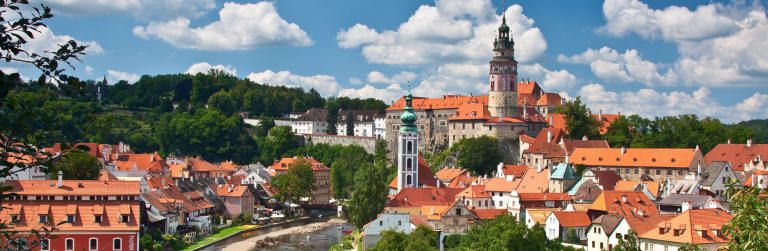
[[502, 98], [408, 148]]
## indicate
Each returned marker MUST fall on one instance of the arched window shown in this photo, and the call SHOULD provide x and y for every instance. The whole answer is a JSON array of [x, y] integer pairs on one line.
[[69, 244], [408, 163], [492, 85], [410, 147], [117, 244], [408, 181], [93, 244]]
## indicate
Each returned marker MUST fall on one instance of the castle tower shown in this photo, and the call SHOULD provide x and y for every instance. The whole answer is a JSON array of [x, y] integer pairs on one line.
[[408, 148], [502, 98]]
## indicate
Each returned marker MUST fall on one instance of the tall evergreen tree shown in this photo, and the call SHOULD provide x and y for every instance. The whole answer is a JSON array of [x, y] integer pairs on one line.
[[331, 119], [350, 123], [370, 193]]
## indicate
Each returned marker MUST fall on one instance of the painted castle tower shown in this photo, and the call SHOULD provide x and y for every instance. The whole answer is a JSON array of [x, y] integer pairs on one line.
[[408, 148], [502, 100]]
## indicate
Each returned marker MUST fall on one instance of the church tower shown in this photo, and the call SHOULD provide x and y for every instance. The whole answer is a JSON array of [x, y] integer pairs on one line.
[[408, 148], [502, 98]]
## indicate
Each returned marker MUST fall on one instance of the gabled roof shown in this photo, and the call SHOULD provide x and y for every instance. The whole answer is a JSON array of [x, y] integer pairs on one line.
[[697, 201], [529, 87], [709, 176], [613, 202], [683, 186], [462, 181], [234, 191], [515, 170], [534, 181], [539, 215], [154, 202], [502, 185], [634, 157], [84, 213], [585, 190], [573, 218], [527, 139], [572, 144], [688, 224], [433, 212], [285, 163], [415, 220], [488, 214], [93, 149], [173, 195], [450, 173], [564, 171], [608, 223], [556, 120], [106, 176], [645, 223], [446, 102], [144, 162], [544, 197], [737, 154], [471, 112], [550, 99], [417, 197], [543, 145], [202, 165], [630, 185], [73, 187], [474, 191], [160, 182], [176, 170], [313, 114], [607, 179]]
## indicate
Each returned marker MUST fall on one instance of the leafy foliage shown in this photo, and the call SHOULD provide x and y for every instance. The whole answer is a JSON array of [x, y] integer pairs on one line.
[[503, 233], [572, 237], [479, 155], [370, 193], [422, 238], [298, 182], [343, 170], [748, 228], [350, 122], [578, 121], [632, 243], [78, 165]]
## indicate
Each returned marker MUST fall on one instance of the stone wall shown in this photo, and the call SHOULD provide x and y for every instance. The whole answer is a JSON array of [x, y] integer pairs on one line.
[[368, 143]]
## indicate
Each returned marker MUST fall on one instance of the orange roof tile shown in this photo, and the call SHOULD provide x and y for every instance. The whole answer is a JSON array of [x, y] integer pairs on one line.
[[644, 223], [58, 211], [685, 227], [544, 196], [474, 191], [446, 102], [573, 218], [737, 154], [514, 170], [145, 162], [106, 176], [462, 181], [202, 165], [285, 163], [157, 182], [235, 191], [176, 170], [634, 157], [534, 181], [72, 187], [628, 185], [416, 221], [539, 215], [417, 197], [613, 202], [502, 185], [550, 99], [433, 212], [470, 112], [558, 121], [529, 87], [488, 214], [449, 173]]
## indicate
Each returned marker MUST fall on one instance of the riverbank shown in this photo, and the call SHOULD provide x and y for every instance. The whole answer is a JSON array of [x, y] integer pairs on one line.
[[225, 233], [253, 242]]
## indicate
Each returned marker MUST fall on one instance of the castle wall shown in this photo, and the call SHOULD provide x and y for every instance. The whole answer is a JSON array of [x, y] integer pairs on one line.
[[368, 143]]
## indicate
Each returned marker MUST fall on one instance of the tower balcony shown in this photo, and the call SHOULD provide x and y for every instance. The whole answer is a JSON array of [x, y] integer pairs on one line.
[[503, 72]]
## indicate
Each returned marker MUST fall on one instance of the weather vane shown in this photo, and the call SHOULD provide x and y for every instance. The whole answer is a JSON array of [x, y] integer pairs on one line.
[[409, 86], [503, 8]]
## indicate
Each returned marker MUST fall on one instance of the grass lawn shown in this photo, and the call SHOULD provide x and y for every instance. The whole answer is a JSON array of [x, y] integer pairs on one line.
[[223, 233]]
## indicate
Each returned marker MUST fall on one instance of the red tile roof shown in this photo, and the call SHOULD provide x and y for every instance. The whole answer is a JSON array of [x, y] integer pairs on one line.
[[534, 181], [573, 218], [462, 181], [426, 176], [145, 162], [634, 157], [446, 102], [544, 196], [471, 111], [628, 185], [613, 202], [72, 187], [84, 215], [644, 223], [488, 214], [550, 99], [686, 226], [416, 221], [234, 191], [502, 185], [106, 176], [572, 144], [157, 182], [558, 121], [737, 154], [607, 179], [543, 145], [417, 197], [450, 173], [92, 149], [285, 163], [529, 87], [514, 170], [474, 191], [202, 165]]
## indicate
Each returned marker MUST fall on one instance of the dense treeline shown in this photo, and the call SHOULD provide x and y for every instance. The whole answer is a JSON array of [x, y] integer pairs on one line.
[[207, 122], [759, 126], [681, 131]]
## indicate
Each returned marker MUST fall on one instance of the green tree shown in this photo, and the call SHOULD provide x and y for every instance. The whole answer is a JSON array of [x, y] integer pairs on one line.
[[350, 120], [503, 233], [78, 165], [370, 193], [166, 105], [222, 101], [280, 141], [748, 228], [619, 133], [143, 143], [422, 238], [479, 155], [578, 121], [572, 237], [344, 168], [632, 243], [332, 118], [298, 182]]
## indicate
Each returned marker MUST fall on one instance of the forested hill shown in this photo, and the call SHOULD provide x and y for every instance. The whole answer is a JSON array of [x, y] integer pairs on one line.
[[216, 133], [760, 126]]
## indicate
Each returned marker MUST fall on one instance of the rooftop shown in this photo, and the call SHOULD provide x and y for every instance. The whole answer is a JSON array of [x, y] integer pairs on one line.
[[73, 187], [634, 157]]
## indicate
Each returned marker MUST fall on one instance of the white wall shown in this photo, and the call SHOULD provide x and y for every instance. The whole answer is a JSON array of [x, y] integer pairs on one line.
[[597, 235], [364, 129], [308, 127], [499, 197], [553, 227]]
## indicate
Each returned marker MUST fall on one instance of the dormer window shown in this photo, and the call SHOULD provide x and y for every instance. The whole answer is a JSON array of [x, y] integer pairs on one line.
[[42, 219], [97, 219], [71, 218], [15, 218], [125, 218]]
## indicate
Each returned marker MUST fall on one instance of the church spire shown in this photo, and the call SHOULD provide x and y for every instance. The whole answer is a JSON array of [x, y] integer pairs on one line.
[[408, 117]]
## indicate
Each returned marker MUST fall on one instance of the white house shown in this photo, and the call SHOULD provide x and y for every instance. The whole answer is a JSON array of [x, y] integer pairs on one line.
[[363, 121], [380, 126], [399, 222], [715, 177], [560, 222], [500, 190], [598, 233], [312, 122]]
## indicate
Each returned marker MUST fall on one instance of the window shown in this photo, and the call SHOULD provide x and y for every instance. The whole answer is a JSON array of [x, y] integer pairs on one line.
[[45, 245], [725, 179], [679, 172], [637, 171], [70, 218], [593, 244], [124, 218], [117, 244], [15, 218], [43, 218], [381, 223], [93, 244], [69, 244], [669, 172], [647, 171], [618, 236], [658, 172], [626, 171], [458, 211], [399, 223], [601, 246], [499, 203]]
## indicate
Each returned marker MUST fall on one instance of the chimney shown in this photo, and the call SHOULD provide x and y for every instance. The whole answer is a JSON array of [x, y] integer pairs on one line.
[[61, 177], [470, 94], [686, 206], [120, 147], [221, 186], [151, 158], [117, 156], [600, 114], [469, 175], [431, 210], [624, 198], [549, 136], [585, 138], [229, 189], [163, 182], [525, 112], [567, 159], [562, 101], [698, 169], [510, 178], [714, 204], [697, 147], [539, 169], [749, 143], [729, 141], [623, 150]]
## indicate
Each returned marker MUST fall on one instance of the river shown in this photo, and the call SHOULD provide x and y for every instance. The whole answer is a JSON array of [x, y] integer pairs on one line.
[[322, 239]]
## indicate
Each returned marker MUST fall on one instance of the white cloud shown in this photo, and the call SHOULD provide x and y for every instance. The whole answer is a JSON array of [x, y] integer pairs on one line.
[[454, 79], [550, 81], [204, 67], [389, 94], [141, 9], [88, 70], [115, 76], [650, 103], [324, 84], [672, 24], [613, 67], [355, 81], [45, 40], [452, 31], [241, 27], [400, 78]]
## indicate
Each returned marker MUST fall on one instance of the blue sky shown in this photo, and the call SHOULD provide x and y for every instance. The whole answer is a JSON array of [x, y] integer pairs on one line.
[[652, 58]]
